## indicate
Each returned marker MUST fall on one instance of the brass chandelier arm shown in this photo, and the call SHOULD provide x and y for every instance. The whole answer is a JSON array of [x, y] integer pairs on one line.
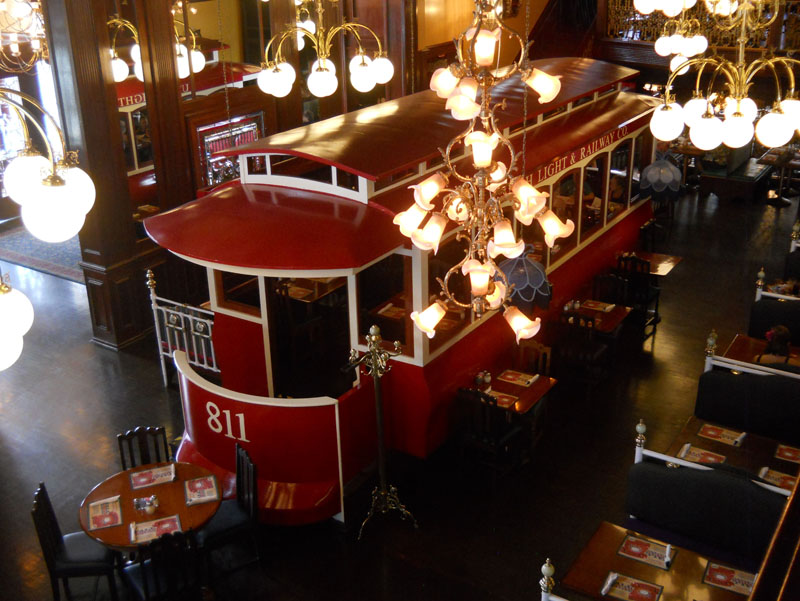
[[21, 109], [118, 23], [189, 29], [287, 34], [743, 18], [446, 155], [354, 28]]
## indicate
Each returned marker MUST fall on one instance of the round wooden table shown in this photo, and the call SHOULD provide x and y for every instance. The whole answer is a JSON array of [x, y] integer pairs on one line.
[[171, 501]]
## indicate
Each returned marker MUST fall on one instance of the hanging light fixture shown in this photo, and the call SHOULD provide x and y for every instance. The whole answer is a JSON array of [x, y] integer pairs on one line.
[[22, 35], [54, 193], [474, 196], [277, 76], [706, 130], [16, 318]]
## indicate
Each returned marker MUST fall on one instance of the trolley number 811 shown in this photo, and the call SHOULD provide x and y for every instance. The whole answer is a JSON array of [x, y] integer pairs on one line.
[[215, 425]]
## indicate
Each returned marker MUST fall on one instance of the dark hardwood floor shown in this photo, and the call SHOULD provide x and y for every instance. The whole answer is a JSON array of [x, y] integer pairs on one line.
[[480, 536]]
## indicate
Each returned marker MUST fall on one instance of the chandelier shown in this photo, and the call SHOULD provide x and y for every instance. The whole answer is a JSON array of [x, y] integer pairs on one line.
[[22, 35], [277, 76], [188, 60], [730, 100], [54, 193], [16, 318], [474, 196]]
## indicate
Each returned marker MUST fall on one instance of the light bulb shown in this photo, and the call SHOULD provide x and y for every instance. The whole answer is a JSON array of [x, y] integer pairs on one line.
[[700, 44], [322, 83], [737, 131], [198, 60], [547, 86], [10, 350], [301, 40], [523, 327], [671, 8], [308, 25], [644, 6], [382, 69], [19, 9], [20, 172], [429, 318], [694, 110], [119, 69], [409, 220], [79, 187], [666, 124], [427, 190], [479, 276], [264, 80], [706, 133], [184, 69], [16, 313], [723, 8], [443, 82], [774, 129], [554, 228]]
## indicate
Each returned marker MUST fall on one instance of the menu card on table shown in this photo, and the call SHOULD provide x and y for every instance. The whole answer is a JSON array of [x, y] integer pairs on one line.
[[731, 437], [105, 513], [698, 455], [631, 589], [504, 400], [598, 306], [517, 377], [788, 453], [201, 490], [777, 478], [649, 552], [729, 579], [153, 476], [147, 531]]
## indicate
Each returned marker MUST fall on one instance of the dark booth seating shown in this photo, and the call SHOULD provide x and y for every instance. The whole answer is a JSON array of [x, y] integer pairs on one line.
[[765, 405], [791, 270], [718, 508], [769, 312]]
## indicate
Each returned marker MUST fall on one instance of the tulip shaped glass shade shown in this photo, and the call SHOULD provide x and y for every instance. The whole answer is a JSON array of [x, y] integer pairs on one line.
[[547, 86], [382, 69], [429, 236], [198, 60], [499, 173], [479, 276], [531, 201], [443, 82], [644, 6], [554, 228], [427, 190], [745, 106], [467, 86], [522, 326], [774, 129], [462, 108], [503, 241], [666, 124], [119, 69], [485, 44], [707, 132], [410, 219], [10, 350], [529, 278], [16, 313], [496, 297], [427, 321], [482, 145], [737, 130], [791, 108], [660, 175], [21, 172], [322, 83], [694, 110]]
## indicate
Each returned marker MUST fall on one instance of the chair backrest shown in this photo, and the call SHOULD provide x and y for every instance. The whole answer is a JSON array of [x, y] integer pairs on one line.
[[610, 288], [631, 264], [487, 421], [534, 356], [170, 567], [246, 483], [47, 528], [143, 445]]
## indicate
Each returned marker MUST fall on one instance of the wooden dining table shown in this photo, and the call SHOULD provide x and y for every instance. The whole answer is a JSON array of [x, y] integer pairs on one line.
[[526, 396], [660, 263], [605, 321], [746, 348], [171, 496]]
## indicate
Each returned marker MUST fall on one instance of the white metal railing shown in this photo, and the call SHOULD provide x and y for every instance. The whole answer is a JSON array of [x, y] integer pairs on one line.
[[181, 327]]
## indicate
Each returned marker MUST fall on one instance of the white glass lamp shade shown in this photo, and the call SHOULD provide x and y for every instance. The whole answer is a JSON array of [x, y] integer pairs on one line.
[[308, 25], [323, 64], [496, 297], [443, 82], [409, 220], [791, 108], [264, 80], [644, 6], [429, 236], [80, 188], [21, 172], [547, 86], [52, 219], [462, 108], [136, 53], [485, 44], [479, 276], [198, 60], [285, 73], [382, 69], [357, 61], [663, 46], [554, 228], [467, 86], [427, 321], [427, 190], [745, 106], [694, 109], [723, 8], [18, 9], [182, 57], [301, 39], [687, 4], [10, 350], [707, 132], [503, 241], [322, 83], [699, 43], [138, 71], [457, 209], [666, 124], [119, 69], [676, 62], [530, 199], [774, 129], [671, 8], [737, 130], [523, 327], [483, 146], [362, 77], [16, 313], [499, 173]]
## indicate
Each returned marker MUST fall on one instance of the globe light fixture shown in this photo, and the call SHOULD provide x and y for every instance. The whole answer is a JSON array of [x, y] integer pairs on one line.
[[16, 318], [365, 73], [23, 41], [474, 193]]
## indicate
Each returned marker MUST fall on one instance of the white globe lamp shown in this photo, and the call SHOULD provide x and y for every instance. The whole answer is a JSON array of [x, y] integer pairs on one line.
[[383, 69], [745, 106], [323, 64], [182, 55], [663, 46], [791, 108], [119, 69], [706, 134], [774, 129], [198, 60], [264, 80], [362, 77], [16, 312], [676, 62], [737, 131], [694, 110], [322, 83], [19, 174], [10, 350], [666, 124], [644, 6]]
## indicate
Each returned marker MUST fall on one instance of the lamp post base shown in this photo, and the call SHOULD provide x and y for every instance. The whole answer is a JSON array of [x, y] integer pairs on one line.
[[384, 501]]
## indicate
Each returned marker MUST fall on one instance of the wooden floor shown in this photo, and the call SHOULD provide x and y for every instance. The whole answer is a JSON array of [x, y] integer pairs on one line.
[[480, 537]]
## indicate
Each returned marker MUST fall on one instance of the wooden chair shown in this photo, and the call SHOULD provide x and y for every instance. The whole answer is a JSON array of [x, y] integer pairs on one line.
[[167, 568], [533, 357], [70, 555], [610, 288], [643, 295], [492, 431], [235, 517], [580, 354], [143, 445]]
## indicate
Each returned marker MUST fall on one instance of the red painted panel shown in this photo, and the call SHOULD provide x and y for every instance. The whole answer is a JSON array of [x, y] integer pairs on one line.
[[239, 346]]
